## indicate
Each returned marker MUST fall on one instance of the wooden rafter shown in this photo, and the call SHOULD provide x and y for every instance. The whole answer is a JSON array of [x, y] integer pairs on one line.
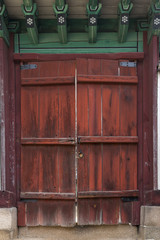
[[154, 19], [124, 10], [60, 9], [30, 11], [93, 10]]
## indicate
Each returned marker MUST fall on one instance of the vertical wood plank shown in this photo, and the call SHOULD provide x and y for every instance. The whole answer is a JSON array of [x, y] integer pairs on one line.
[[49, 112], [83, 168], [48, 169], [110, 99], [66, 158], [95, 167], [66, 111], [66, 68], [29, 112], [128, 167], [111, 167], [111, 208], [89, 212], [21, 221], [94, 96], [128, 110], [82, 110], [82, 66], [94, 66], [109, 67], [29, 169]]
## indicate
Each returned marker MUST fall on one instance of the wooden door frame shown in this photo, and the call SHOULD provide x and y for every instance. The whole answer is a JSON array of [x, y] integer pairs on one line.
[[147, 69], [8, 190], [19, 58]]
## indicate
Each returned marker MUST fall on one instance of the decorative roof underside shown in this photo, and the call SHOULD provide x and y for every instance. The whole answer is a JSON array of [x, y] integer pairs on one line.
[[77, 8]]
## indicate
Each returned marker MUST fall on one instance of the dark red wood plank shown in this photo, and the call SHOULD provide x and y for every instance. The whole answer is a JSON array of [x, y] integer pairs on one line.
[[111, 209], [21, 221], [82, 110], [95, 167], [29, 112], [136, 213], [48, 69], [30, 169], [48, 105], [83, 169], [82, 66], [110, 109], [128, 111], [108, 194], [66, 111], [94, 95], [107, 79], [48, 141], [50, 213], [126, 212], [128, 167], [89, 212], [48, 169], [112, 139], [66, 68], [47, 195], [94, 66], [59, 57], [111, 167], [109, 67], [47, 81], [66, 158]]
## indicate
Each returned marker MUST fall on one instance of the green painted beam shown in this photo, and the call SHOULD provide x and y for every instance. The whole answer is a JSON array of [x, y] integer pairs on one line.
[[124, 10], [4, 33], [60, 4], [31, 14], [28, 3], [60, 10], [78, 43], [93, 10], [154, 20], [93, 4]]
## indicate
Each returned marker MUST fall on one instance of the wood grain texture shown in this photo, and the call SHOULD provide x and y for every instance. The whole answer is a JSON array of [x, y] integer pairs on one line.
[[50, 213], [55, 57], [106, 144], [108, 79]]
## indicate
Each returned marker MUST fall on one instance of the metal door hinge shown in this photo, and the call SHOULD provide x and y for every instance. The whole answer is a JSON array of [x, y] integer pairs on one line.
[[128, 64], [28, 66]]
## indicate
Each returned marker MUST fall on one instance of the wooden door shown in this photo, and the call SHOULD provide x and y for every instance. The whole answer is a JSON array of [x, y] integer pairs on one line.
[[78, 143], [47, 144], [107, 137]]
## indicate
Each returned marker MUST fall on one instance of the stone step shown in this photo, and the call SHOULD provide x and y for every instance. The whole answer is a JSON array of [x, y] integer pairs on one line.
[[82, 239]]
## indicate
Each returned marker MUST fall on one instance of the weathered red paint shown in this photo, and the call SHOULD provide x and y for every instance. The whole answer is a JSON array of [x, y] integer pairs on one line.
[[8, 195]]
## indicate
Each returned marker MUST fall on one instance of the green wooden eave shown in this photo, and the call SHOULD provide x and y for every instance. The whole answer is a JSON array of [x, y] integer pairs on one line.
[[124, 9], [154, 19], [4, 33], [30, 11], [60, 9]]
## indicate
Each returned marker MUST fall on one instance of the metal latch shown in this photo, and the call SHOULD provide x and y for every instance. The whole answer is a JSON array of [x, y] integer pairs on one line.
[[128, 64], [129, 199], [28, 66]]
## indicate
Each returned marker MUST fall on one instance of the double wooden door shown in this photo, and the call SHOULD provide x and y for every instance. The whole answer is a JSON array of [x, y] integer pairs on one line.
[[78, 143]]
